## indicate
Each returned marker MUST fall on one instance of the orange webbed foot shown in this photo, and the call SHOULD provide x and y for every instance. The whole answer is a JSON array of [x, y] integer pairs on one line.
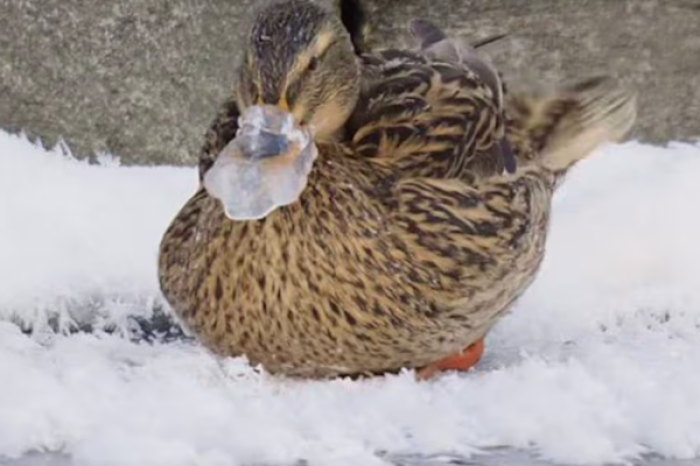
[[456, 362]]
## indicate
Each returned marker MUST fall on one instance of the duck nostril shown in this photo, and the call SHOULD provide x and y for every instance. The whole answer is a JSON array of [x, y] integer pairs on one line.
[[263, 145]]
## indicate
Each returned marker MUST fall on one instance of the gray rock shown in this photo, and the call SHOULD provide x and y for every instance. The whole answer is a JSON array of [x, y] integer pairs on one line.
[[142, 79]]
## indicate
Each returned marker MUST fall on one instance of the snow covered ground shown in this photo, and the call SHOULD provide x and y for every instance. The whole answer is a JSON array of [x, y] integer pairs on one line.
[[599, 363]]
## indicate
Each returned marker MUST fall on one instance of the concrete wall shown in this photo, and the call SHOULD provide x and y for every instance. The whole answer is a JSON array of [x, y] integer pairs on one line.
[[143, 78]]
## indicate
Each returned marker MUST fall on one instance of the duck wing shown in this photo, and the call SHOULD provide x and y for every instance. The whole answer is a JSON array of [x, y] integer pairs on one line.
[[426, 117], [434, 43], [488, 235]]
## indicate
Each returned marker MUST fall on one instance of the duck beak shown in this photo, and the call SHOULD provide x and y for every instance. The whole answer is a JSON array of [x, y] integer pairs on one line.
[[266, 131], [264, 145]]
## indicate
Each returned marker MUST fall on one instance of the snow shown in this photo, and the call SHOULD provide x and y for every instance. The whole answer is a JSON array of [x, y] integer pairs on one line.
[[597, 364], [75, 236]]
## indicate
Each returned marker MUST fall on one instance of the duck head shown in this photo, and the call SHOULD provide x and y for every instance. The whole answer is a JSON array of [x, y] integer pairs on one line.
[[299, 59], [297, 85]]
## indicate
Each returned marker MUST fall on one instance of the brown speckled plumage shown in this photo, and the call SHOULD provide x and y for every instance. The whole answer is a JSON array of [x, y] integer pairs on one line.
[[409, 241]]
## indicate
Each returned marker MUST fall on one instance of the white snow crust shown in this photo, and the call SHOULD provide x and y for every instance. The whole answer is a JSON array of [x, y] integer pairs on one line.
[[598, 363]]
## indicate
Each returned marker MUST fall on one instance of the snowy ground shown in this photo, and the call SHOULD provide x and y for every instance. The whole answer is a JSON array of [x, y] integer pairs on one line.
[[599, 363]]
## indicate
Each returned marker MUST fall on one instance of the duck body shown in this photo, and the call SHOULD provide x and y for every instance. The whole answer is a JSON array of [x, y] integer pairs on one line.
[[407, 244], [343, 284]]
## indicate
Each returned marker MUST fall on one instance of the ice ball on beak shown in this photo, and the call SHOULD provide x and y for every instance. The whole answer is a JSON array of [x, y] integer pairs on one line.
[[265, 167]]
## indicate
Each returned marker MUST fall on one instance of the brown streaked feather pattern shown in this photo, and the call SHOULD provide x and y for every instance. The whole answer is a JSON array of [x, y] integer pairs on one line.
[[365, 274], [431, 118], [221, 131]]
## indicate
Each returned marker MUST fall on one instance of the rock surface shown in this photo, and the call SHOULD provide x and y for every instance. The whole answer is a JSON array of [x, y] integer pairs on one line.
[[142, 78]]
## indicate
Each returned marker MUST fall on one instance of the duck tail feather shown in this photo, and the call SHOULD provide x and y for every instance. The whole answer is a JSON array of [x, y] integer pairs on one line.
[[571, 124]]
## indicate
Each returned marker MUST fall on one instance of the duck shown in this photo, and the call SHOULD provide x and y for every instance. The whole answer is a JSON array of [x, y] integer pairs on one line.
[[419, 221]]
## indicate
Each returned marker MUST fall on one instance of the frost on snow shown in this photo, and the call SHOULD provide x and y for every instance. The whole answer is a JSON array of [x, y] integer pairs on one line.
[[598, 363]]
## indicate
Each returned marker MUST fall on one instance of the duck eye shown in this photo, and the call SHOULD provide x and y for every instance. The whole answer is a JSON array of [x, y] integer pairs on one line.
[[313, 63]]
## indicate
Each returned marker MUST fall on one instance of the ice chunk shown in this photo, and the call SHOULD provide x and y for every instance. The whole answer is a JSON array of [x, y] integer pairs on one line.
[[265, 167]]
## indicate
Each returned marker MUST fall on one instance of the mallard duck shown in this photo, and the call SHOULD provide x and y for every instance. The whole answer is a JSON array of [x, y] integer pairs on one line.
[[410, 237]]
